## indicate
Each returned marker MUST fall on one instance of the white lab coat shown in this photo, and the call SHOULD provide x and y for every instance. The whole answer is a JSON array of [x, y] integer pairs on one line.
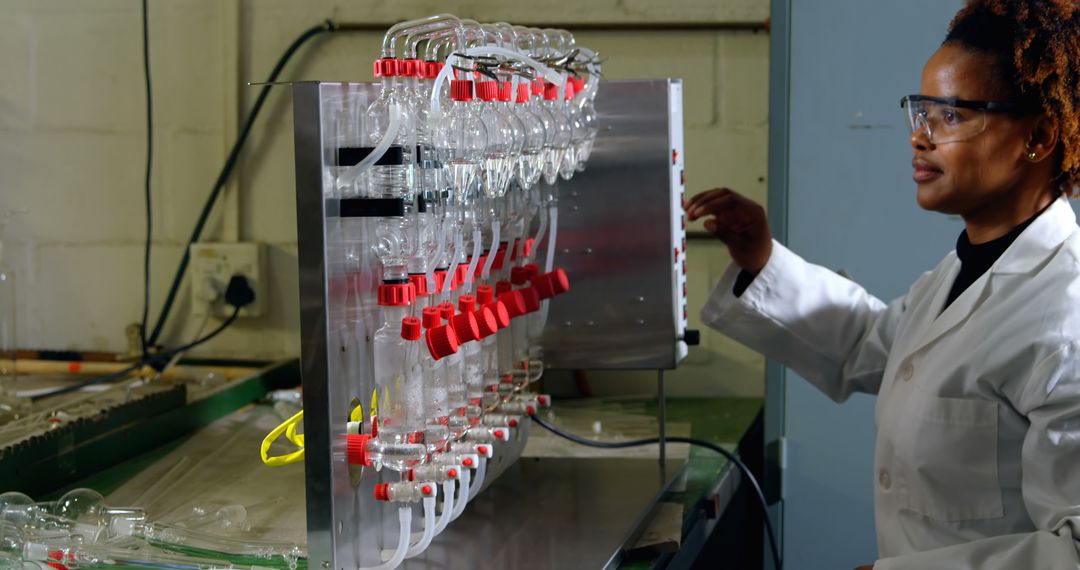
[[977, 455]]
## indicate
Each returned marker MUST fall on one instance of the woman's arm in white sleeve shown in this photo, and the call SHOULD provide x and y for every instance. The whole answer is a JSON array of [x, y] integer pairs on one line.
[[825, 327]]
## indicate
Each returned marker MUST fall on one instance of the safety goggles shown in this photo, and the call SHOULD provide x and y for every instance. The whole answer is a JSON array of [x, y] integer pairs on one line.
[[947, 119]]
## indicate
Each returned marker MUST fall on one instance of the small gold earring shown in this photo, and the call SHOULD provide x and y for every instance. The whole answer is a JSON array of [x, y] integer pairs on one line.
[[1031, 155]]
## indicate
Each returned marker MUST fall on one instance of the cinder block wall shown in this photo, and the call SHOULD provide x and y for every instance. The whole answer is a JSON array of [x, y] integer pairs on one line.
[[73, 143]]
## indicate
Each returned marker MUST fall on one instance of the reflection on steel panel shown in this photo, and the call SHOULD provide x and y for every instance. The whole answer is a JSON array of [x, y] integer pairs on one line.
[[620, 238], [553, 513]]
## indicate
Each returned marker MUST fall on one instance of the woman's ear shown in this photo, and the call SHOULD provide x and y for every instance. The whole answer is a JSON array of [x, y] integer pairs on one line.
[[1043, 140]]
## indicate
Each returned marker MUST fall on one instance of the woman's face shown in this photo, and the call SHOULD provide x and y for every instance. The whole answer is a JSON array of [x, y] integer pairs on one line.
[[965, 177]]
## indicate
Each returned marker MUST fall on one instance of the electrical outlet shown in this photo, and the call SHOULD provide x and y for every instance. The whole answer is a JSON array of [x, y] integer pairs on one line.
[[211, 267]]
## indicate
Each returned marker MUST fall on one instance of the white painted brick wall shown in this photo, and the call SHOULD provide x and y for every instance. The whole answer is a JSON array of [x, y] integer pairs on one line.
[[72, 145]]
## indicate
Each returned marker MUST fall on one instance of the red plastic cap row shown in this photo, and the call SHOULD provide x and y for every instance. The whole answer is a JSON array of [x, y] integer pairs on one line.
[[396, 294], [419, 282], [466, 327], [551, 91], [410, 328], [461, 90], [531, 270], [409, 67], [356, 449], [485, 294], [441, 341], [487, 90], [431, 317], [486, 320], [501, 313], [515, 303], [431, 69], [386, 67], [531, 298], [519, 276], [551, 284]]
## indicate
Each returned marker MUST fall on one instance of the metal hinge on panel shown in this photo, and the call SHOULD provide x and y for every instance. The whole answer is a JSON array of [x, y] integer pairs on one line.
[[775, 468]]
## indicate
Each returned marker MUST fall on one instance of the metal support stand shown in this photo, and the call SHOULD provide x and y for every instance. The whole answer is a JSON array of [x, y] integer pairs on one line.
[[661, 414]]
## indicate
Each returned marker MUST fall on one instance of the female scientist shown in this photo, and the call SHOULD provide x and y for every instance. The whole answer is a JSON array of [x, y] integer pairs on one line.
[[977, 367]]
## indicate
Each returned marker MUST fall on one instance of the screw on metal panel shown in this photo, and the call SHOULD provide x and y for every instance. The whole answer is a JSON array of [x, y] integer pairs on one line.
[[640, 299], [574, 208], [587, 250], [591, 323], [569, 323], [641, 322], [566, 250], [325, 563], [573, 193]]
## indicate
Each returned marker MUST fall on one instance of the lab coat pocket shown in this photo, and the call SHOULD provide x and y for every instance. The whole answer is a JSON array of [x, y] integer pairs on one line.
[[954, 467]]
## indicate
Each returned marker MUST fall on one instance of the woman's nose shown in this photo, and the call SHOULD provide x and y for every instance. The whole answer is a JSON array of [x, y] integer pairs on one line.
[[921, 138]]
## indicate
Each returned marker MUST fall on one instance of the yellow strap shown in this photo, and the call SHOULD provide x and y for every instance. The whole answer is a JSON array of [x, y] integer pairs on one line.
[[288, 427], [357, 414]]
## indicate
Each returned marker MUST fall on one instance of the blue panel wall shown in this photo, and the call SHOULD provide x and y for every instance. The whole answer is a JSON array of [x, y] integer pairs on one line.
[[849, 204]]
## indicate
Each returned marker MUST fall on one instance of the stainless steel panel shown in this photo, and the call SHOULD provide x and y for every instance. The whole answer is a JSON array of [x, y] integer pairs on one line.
[[553, 513], [615, 240]]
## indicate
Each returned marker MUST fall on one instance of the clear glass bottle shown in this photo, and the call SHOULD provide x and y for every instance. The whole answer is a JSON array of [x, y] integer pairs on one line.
[[400, 413]]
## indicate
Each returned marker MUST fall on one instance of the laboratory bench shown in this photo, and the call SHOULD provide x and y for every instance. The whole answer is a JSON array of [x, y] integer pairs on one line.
[[559, 505]]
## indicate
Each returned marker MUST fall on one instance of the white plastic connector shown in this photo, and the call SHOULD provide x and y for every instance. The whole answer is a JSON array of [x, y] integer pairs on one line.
[[482, 449], [404, 491]]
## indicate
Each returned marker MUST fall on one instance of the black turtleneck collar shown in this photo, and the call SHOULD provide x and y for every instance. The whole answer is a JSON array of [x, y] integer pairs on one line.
[[976, 259]]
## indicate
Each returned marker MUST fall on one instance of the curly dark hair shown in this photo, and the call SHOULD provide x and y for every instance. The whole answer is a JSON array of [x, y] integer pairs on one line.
[[1037, 43]]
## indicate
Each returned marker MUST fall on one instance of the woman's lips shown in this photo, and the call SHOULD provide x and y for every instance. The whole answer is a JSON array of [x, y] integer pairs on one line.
[[924, 171]]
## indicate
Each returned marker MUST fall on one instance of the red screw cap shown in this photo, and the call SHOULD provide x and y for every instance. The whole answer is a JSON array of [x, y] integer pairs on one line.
[[356, 449], [382, 492], [452, 473], [501, 434], [426, 490], [461, 90], [466, 303], [441, 342], [503, 286], [466, 327], [467, 462], [487, 321], [506, 92], [431, 317], [502, 314], [482, 449], [518, 276], [550, 284], [570, 89], [515, 303], [487, 90], [522, 93], [485, 294], [386, 67], [446, 311], [409, 67], [551, 91], [538, 87], [532, 299], [410, 328], [528, 247], [430, 69], [396, 294], [512, 423], [440, 279], [419, 283], [531, 270]]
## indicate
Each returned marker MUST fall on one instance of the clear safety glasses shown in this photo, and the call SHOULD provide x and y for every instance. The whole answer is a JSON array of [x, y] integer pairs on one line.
[[947, 119]]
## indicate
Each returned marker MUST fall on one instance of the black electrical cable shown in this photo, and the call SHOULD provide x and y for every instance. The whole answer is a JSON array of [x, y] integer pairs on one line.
[[227, 169], [149, 169], [157, 358], [775, 550]]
